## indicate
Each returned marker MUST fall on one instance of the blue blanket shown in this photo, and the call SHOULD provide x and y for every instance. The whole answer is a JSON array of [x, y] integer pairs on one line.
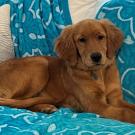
[[34, 25], [62, 122], [122, 14]]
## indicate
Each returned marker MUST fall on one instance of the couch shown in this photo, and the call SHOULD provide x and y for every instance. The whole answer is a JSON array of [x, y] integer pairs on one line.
[[34, 26]]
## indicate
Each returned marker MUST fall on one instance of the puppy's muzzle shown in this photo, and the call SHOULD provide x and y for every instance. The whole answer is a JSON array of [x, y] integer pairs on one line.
[[96, 57]]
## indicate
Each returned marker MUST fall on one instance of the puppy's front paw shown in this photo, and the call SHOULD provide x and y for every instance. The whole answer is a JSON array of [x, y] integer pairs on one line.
[[128, 116]]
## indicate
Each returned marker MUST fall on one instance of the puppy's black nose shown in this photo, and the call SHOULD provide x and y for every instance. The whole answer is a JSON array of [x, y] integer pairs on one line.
[[96, 57]]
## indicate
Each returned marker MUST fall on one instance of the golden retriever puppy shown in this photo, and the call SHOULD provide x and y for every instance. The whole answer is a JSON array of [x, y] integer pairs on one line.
[[83, 77]]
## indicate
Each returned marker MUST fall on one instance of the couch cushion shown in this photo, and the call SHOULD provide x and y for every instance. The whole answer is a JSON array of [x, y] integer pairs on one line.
[[84, 9], [6, 46]]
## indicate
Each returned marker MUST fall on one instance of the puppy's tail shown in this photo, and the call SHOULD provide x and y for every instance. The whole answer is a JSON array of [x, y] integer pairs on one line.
[[25, 103]]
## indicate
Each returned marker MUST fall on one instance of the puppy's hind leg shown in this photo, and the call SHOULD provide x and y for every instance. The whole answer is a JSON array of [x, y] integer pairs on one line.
[[46, 108]]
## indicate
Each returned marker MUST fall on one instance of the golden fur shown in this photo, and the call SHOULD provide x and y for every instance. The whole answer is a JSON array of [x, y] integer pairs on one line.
[[83, 77]]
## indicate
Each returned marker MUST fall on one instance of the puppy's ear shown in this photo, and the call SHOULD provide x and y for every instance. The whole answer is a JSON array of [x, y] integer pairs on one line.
[[65, 46], [114, 37]]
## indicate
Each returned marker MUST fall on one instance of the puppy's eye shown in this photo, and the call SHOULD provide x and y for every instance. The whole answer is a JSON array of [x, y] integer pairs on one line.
[[100, 37], [82, 39]]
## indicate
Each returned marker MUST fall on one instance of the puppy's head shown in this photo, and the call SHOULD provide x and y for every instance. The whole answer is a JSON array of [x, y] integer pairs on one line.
[[89, 43]]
